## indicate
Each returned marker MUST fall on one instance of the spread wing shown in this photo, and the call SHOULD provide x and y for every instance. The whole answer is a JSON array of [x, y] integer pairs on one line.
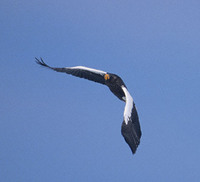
[[78, 71], [131, 127]]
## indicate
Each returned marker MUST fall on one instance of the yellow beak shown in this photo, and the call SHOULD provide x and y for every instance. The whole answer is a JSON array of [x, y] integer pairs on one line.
[[106, 76]]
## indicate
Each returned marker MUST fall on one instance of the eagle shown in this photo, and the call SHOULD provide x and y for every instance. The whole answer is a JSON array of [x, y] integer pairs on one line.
[[130, 128]]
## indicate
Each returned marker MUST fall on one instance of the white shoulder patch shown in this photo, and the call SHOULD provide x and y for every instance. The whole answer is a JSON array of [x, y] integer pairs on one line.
[[88, 69], [129, 105]]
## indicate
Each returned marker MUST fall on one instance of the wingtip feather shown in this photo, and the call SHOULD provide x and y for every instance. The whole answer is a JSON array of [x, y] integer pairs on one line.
[[41, 62]]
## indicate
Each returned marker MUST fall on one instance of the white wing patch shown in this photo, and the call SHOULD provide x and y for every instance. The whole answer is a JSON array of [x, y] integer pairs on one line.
[[129, 105], [88, 69]]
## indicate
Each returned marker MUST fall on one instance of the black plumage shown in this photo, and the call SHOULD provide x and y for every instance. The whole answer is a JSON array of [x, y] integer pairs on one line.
[[131, 131], [76, 71]]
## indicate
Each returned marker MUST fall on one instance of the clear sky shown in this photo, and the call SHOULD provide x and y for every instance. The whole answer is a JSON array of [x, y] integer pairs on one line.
[[55, 127]]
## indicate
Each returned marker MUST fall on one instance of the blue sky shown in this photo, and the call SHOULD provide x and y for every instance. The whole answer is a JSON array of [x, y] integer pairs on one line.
[[55, 127]]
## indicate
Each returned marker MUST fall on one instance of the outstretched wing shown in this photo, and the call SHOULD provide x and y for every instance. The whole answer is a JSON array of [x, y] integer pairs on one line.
[[131, 127], [78, 71]]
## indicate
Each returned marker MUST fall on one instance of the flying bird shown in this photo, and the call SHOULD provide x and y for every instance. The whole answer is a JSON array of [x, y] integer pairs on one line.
[[130, 128]]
